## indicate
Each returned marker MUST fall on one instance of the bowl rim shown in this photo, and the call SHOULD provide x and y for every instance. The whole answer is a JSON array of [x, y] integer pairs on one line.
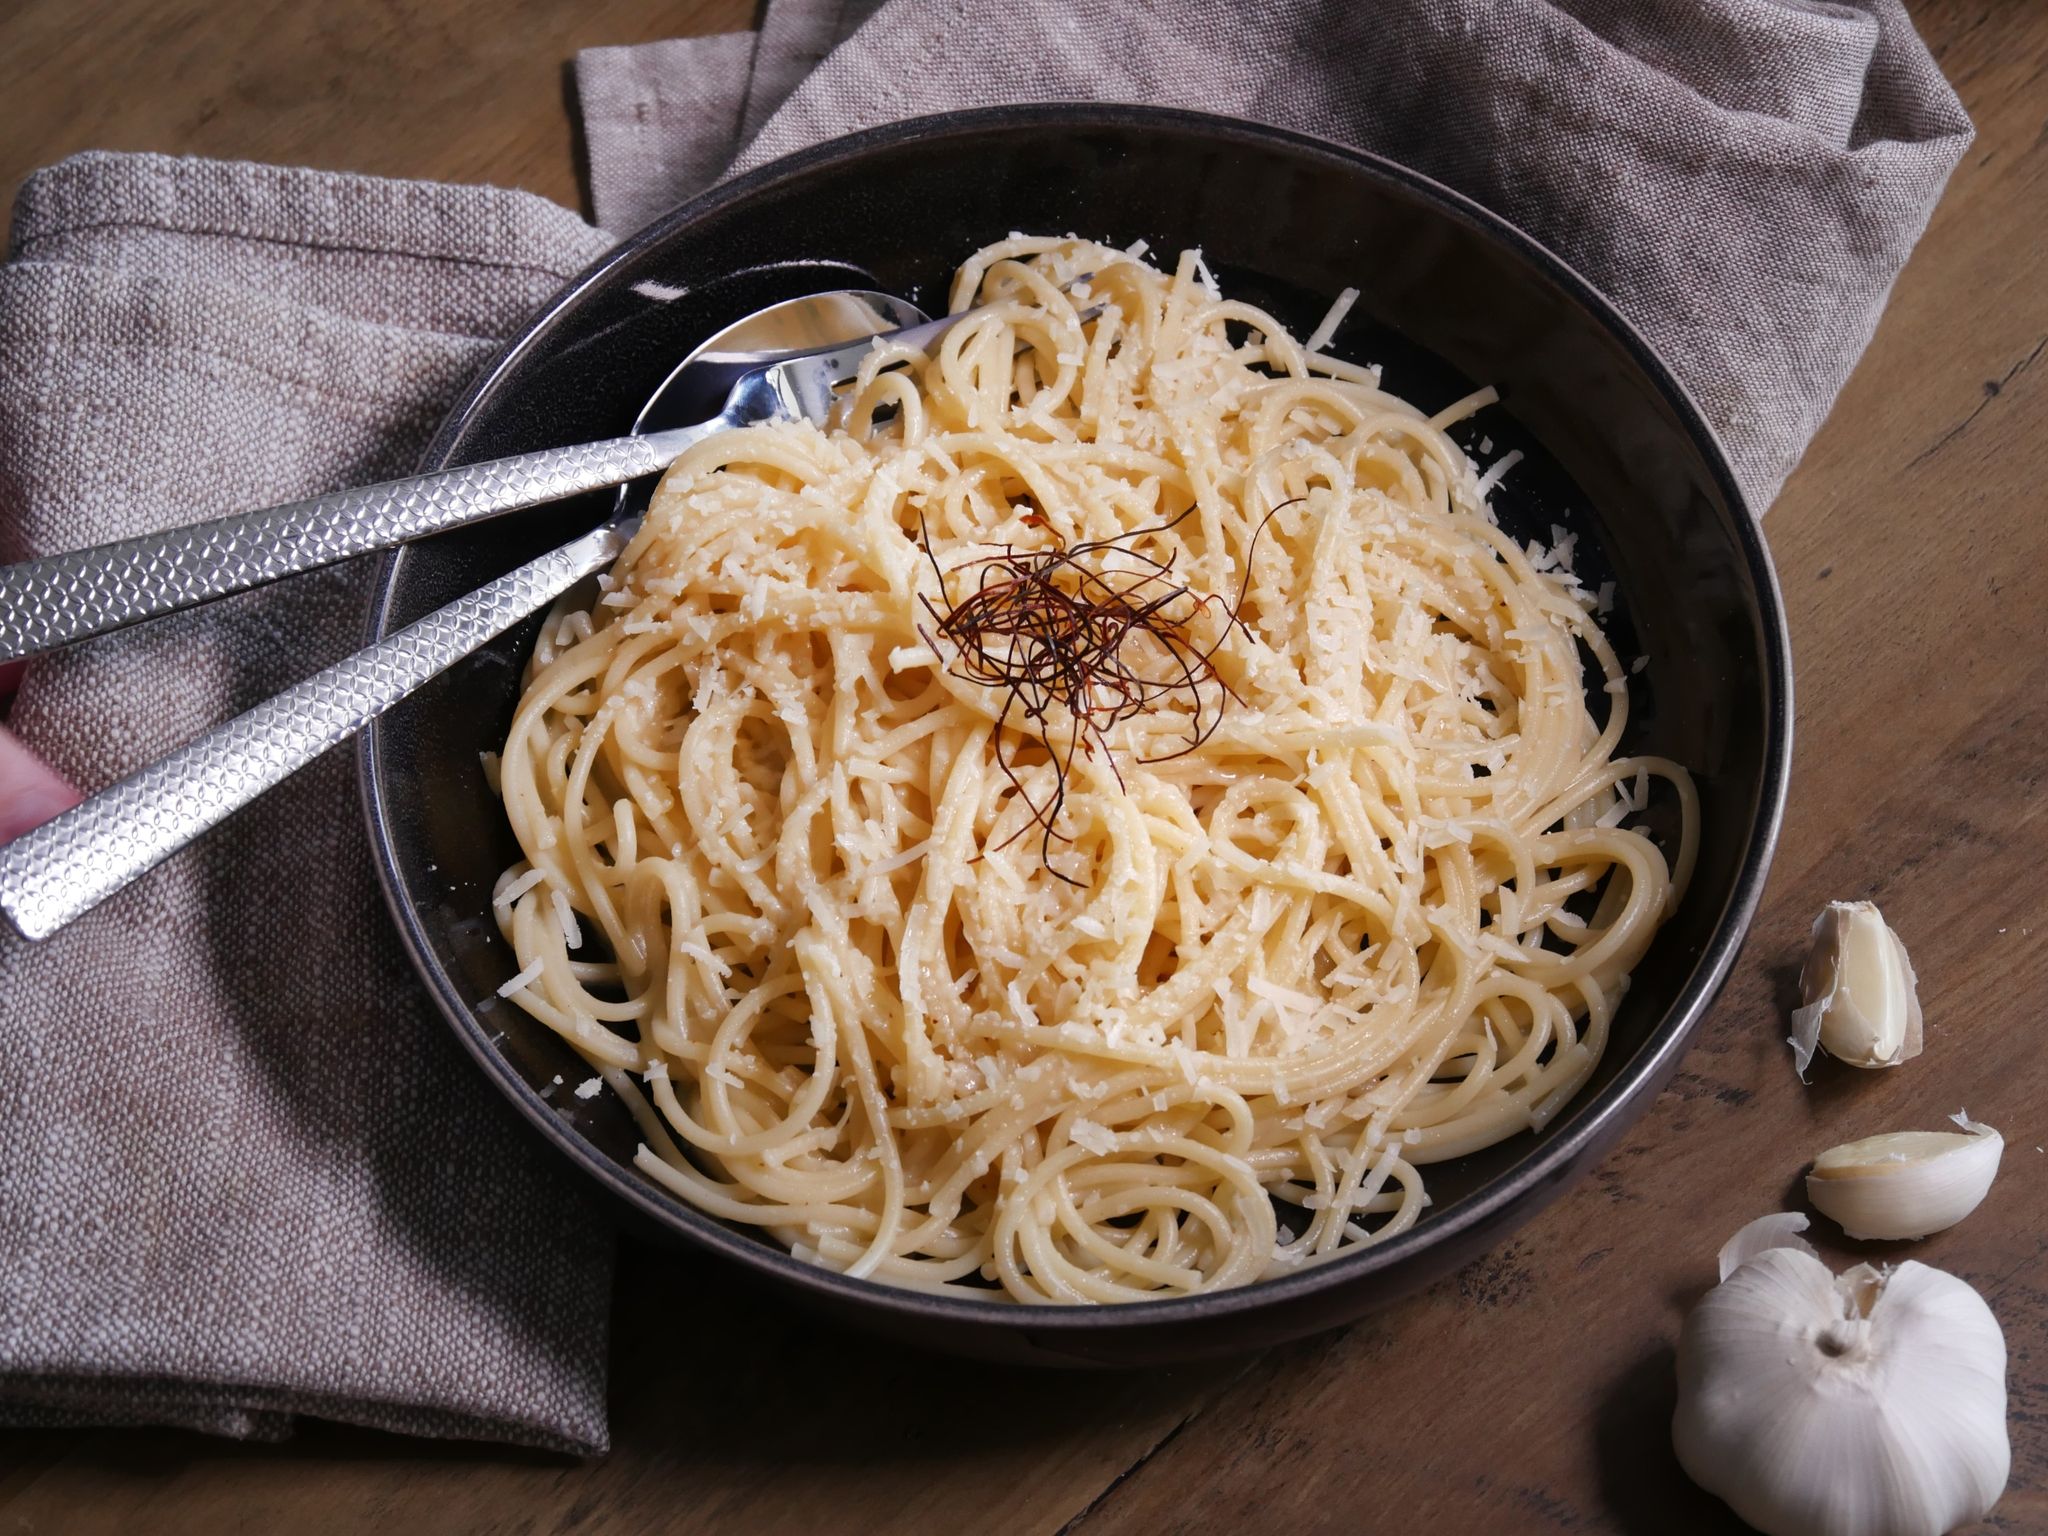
[[1533, 1181]]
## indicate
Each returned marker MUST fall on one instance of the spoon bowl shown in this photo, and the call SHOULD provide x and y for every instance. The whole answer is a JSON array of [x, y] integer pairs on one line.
[[697, 387]]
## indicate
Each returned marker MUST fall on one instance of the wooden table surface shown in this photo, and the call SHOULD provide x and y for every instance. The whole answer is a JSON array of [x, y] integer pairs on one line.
[[1532, 1392]]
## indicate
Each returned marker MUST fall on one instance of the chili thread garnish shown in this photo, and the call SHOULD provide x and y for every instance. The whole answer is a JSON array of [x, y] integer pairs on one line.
[[1072, 628]]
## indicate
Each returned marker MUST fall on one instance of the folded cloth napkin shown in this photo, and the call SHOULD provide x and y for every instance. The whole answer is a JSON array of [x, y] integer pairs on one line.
[[1743, 178], [246, 1171], [245, 1174], [662, 121]]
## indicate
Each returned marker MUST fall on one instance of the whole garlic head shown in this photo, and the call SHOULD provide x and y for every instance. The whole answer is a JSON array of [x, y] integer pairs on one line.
[[1862, 1000], [1866, 1404], [1906, 1183]]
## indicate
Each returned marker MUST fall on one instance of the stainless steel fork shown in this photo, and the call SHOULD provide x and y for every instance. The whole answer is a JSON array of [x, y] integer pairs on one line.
[[50, 602], [65, 867]]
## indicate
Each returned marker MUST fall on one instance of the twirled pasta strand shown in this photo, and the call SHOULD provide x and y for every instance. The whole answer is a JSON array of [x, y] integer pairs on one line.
[[774, 887]]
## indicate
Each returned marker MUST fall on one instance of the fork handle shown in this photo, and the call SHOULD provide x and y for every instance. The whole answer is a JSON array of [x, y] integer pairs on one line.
[[52, 601], [67, 866]]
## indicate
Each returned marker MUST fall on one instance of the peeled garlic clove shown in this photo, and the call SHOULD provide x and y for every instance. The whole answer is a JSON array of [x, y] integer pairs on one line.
[[1906, 1183], [1869, 1404], [1862, 998]]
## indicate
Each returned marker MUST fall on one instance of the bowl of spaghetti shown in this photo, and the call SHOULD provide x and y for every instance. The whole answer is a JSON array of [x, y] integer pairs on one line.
[[1177, 815]]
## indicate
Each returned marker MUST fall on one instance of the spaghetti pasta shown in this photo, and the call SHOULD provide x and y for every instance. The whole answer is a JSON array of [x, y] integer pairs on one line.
[[984, 999]]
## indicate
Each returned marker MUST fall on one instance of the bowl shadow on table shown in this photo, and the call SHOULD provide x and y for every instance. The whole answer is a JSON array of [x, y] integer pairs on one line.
[[797, 1385], [1645, 1491]]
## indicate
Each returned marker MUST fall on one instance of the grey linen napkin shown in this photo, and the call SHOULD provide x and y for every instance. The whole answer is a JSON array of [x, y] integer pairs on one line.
[[246, 1174], [662, 121], [1743, 178]]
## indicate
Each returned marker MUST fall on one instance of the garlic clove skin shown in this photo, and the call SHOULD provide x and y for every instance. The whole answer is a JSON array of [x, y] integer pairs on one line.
[[1862, 1000], [1905, 1183], [1778, 1230], [1870, 1404]]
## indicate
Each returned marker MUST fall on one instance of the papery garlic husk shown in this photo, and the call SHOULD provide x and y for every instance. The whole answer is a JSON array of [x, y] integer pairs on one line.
[[1866, 1404], [1779, 1230], [1906, 1183], [1861, 998]]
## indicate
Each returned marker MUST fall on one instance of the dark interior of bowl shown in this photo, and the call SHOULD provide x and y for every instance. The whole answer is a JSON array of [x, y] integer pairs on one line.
[[1449, 299]]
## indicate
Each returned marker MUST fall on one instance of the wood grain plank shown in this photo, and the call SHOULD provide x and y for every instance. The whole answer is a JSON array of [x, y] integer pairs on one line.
[[450, 90]]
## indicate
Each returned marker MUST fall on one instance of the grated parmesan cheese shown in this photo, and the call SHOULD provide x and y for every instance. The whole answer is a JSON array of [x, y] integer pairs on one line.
[[565, 915], [522, 981], [1249, 911], [1496, 473], [510, 891], [1099, 1139], [889, 866], [1299, 1002], [1319, 338]]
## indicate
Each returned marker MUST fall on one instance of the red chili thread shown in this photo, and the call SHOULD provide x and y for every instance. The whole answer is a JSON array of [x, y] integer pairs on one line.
[[1067, 628]]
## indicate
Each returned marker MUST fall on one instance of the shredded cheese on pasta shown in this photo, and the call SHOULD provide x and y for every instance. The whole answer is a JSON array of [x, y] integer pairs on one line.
[[1379, 917]]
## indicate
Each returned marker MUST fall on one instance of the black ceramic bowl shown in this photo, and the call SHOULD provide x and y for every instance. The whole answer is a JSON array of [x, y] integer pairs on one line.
[[1451, 297]]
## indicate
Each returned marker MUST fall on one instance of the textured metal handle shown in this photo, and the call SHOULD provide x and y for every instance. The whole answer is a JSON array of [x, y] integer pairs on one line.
[[69, 865], [50, 602]]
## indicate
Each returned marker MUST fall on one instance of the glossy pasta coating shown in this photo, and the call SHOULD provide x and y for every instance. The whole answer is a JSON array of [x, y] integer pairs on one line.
[[1209, 1030]]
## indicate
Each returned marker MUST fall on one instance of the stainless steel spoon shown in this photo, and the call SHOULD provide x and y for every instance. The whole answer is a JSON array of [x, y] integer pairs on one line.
[[68, 865], [60, 598]]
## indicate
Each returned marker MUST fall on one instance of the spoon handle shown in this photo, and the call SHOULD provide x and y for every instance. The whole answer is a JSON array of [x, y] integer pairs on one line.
[[60, 598], [67, 866]]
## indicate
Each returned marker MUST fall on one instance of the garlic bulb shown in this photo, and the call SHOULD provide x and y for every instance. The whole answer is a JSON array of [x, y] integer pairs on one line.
[[1906, 1183], [1866, 1404], [1862, 998]]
